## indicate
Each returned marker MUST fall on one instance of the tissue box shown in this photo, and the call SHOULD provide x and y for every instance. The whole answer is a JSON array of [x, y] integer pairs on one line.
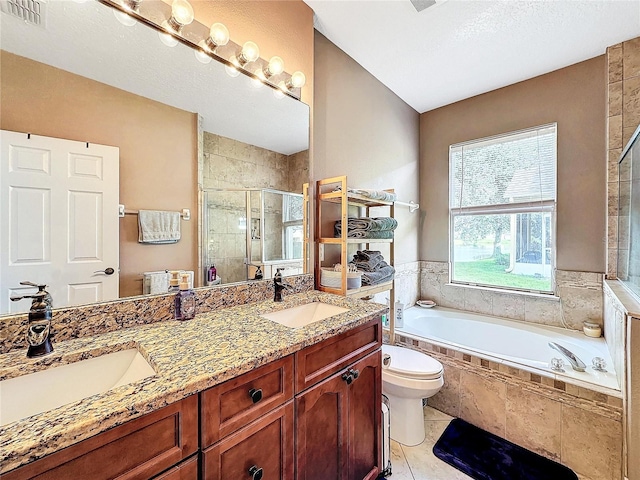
[[332, 279]]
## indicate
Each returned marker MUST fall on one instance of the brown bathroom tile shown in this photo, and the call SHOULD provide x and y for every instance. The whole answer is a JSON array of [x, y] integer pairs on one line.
[[466, 357], [614, 401], [475, 360], [484, 363], [614, 156], [627, 132], [482, 402], [533, 421], [615, 132], [494, 365], [615, 99], [414, 342], [572, 389], [591, 443], [447, 400], [559, 385], [614, 57], [548, 381], [631, 58], [536, 378]]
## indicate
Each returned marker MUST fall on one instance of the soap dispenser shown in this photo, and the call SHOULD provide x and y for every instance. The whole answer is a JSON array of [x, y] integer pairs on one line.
[[174, 282], [185, 302]]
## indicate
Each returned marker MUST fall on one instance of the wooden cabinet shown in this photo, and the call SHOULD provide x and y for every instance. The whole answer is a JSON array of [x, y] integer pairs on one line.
[[338, 406], [187, 470], [338, 424], [139, 449], [263, 449], [231, 405]]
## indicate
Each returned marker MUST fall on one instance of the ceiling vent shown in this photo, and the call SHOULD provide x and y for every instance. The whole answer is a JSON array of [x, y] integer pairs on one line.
[[31, 11], [421, 5]]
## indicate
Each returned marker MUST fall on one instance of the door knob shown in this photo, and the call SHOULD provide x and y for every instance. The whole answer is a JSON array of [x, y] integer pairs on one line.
[[347, 377], [255, 472], [106, 271]]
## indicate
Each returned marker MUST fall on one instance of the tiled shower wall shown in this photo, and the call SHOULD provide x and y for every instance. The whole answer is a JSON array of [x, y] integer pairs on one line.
[[623, 62], [228, 163], [579, 298]]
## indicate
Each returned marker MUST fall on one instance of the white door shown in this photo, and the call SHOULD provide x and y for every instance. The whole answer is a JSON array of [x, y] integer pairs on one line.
[[58, 219]]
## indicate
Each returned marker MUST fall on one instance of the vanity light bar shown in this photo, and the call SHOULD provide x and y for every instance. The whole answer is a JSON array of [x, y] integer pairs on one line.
[[200, 38]]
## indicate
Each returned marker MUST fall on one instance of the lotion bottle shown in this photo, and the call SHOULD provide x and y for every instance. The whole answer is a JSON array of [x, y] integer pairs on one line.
[[399, 310], [185, 301], [174, 282]]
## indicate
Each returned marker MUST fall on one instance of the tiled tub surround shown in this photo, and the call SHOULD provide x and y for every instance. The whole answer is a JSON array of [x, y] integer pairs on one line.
[[94, 319], [188, 357], [579, 298], [578, 427], [407, 284], [513, 344]]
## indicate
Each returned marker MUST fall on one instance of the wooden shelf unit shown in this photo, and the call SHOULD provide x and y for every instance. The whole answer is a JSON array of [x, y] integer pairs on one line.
[[326, 193]]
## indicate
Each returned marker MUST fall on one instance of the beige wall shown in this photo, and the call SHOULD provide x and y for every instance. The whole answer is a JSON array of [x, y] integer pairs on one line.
[[157, 144], [363, 130], [574, 97]]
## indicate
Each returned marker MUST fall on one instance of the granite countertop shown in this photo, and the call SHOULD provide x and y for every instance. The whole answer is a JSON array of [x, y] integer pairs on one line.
[[188, 357]]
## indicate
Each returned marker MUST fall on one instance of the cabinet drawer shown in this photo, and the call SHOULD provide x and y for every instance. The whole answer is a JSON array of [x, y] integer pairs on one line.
[[265, 444], [319, 361], [227, 407], [138, 449], [187, 470]]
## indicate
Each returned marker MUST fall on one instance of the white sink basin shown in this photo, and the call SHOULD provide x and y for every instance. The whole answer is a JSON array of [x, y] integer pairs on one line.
[[297, 317], [21, 397]]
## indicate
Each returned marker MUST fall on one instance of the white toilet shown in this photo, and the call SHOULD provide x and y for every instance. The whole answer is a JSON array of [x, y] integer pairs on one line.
[[408, 376]]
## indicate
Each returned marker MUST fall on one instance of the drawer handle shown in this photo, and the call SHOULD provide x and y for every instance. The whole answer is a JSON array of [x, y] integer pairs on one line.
[[355, 373], [348, 377], [256, 396], [255, 472]]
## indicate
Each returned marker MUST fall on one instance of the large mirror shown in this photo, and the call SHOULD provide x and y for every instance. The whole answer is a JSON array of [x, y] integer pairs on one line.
[[183, 130]]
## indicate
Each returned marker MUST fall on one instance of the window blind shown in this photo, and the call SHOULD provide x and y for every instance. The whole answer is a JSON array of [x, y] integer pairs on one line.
[[516, 172]]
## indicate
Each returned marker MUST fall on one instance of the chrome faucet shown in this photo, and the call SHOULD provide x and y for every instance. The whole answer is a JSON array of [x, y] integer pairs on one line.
[[577, 364], [39, 328], [279, 285]]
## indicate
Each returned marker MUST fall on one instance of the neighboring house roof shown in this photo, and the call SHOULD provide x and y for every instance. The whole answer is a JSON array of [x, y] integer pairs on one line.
[[532, 184]]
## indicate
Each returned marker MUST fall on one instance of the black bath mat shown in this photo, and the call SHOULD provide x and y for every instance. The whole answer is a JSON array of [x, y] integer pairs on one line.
[[485, 456]]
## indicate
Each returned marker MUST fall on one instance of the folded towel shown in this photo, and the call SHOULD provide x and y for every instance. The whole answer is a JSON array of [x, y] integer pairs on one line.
[[383, 274], [372, 194], [363, 227], [158, 227], [368, 260]]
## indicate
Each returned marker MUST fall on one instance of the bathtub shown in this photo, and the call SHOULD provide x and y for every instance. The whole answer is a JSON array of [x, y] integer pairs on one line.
[[517, 344]]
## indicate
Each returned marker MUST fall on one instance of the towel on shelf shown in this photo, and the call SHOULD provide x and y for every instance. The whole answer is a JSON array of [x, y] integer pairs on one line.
[[155, 226], [383, 274], [368, 260], [365, 227], [372, 194]]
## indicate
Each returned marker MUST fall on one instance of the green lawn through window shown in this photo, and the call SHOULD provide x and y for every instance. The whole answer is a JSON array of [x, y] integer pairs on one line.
[[488, 272]]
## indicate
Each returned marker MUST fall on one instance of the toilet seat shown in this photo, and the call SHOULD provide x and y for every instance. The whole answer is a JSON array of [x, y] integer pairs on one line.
[[409, 363]]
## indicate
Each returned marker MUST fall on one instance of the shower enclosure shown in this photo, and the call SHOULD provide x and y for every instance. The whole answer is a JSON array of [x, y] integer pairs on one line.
[[248, 231]]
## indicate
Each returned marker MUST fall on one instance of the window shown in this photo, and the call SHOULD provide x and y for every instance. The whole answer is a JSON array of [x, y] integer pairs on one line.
[[502, 210]]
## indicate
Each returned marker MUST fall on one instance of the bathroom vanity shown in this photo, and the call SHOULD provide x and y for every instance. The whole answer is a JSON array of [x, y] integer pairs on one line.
[[249, 399]]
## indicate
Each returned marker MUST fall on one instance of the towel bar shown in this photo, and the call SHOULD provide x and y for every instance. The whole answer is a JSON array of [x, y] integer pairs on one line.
[[412, 205], [185, 214]]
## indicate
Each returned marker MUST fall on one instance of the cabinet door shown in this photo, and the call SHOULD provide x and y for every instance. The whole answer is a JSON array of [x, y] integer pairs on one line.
[[138, 449], [322, 431], [365, 398], [263, 449]]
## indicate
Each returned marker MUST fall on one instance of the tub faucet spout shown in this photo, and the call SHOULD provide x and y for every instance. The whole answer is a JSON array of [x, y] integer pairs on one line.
[[577, 364]]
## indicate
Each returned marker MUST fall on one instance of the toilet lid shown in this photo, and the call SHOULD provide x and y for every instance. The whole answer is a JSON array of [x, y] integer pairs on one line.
[[406, 362]]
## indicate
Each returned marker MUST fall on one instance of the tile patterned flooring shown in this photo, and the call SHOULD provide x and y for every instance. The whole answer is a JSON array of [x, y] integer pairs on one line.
[[419, 462]]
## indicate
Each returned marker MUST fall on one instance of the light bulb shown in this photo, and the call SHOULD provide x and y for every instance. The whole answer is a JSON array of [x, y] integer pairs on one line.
[[124, 18], [250, 53], [202, 56], [275, 67], [182, 12], [297, 80], [232, 71], [167, 39], [218, 35]]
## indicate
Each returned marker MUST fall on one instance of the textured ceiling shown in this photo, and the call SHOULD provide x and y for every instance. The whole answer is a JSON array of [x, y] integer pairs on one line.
[[458, 48], [86, 39]]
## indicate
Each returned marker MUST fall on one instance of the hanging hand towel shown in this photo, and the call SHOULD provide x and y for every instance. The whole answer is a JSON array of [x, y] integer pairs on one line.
[[155, 282], [158, 227]]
